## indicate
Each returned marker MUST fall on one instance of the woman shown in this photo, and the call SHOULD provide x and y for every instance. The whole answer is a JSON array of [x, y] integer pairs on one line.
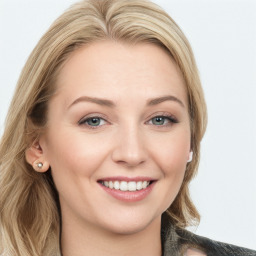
[[103, 137]]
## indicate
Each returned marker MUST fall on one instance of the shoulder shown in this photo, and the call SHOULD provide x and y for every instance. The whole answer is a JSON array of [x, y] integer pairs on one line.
[[211, 247], [177, 242]]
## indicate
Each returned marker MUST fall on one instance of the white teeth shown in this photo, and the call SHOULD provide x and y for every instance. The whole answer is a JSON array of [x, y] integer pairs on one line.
[[126, 186], [132, 186], [144, 184], [139, 185], [110, 184], [116, 184], [123, 186]]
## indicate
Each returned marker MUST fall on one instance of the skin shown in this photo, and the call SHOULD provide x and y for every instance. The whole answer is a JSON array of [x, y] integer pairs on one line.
[[127, 141]]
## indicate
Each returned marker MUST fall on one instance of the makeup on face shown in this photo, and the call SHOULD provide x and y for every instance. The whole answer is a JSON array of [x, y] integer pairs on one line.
[[118, 136]]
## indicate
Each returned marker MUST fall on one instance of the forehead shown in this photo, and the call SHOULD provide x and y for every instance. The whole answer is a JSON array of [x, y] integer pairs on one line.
[[114, 69]]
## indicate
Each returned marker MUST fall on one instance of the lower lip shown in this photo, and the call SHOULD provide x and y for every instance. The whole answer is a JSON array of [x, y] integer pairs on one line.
[[129, 196]]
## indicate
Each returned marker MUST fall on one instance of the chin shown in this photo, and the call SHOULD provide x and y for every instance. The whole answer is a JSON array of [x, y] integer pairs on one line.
[[132, 225], [127, 230]]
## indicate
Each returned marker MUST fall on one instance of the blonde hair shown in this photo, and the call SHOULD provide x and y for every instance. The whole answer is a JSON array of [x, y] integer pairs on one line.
[[30, 214]]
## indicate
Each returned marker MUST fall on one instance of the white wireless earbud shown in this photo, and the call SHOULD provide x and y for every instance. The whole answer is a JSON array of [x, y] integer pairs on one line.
[[190, 156]]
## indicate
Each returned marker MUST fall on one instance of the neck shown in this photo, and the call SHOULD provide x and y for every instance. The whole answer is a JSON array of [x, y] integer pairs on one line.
[[77, 240]]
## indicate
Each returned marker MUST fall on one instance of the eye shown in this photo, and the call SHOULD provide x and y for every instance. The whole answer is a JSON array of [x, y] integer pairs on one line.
[[163, 120], [92, 122]]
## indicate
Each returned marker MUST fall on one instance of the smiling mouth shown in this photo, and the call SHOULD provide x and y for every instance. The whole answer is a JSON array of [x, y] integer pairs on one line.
[[126, 186]]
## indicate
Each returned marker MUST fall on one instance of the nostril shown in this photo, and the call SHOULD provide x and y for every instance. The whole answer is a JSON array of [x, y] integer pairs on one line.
[[129, 151]]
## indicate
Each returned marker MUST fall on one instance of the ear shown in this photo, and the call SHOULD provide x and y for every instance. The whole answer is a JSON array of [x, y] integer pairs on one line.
[[35, 157]]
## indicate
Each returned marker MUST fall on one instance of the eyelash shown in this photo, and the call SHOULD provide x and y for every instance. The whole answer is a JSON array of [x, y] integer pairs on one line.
[[171, 120], [84, 121]]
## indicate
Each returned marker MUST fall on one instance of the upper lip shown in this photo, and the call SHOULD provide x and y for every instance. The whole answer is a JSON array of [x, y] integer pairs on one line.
[[124, 178]]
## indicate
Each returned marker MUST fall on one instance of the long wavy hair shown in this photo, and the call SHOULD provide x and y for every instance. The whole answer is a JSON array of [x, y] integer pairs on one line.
[[30, 214]]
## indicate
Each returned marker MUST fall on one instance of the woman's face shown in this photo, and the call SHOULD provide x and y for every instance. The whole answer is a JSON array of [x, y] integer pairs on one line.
[[119, 118]]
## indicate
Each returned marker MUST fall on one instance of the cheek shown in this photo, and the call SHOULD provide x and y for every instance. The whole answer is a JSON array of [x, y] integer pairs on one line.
[[171, 154], [171, 157], [75, 156], [172, 160]]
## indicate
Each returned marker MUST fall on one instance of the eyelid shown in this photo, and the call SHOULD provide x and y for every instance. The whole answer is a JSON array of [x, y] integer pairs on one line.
[[94, 115], [167, 115], [163, 114], [172, 119]]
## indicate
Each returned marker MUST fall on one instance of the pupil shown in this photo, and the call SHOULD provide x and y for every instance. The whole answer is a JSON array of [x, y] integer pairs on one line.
[[94, 121], [159, 120]]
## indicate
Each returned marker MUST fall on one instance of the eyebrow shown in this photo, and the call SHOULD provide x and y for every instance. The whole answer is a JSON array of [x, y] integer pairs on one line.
[[111, 104], [99, 101], [159, 100]]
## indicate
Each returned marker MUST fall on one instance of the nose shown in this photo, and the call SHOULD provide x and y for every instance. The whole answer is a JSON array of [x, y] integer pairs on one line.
[[129, 150]]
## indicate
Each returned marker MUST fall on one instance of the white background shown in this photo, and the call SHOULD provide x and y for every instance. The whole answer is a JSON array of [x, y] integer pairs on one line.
[[223, 36]]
